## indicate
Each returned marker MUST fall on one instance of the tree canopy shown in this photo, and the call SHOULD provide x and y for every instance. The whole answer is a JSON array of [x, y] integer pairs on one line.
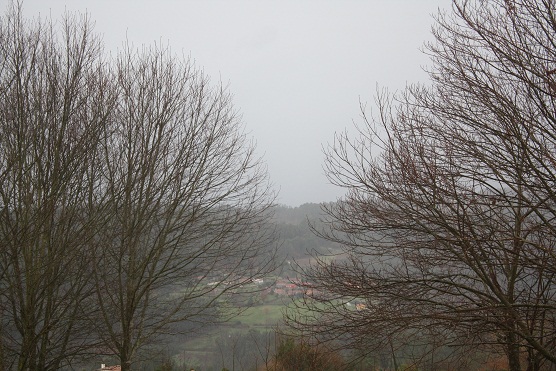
[[448, 219], [131, 200]]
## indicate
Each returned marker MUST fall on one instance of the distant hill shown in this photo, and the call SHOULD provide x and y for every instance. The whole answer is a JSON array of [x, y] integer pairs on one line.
[[297, 239], [298, 215]]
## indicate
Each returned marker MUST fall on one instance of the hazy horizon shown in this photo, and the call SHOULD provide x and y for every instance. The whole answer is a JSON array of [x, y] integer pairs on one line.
[[297, 70]]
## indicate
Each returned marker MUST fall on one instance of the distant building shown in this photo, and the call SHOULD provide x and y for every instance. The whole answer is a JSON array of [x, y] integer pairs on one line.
[[103, 367], [360, 306]]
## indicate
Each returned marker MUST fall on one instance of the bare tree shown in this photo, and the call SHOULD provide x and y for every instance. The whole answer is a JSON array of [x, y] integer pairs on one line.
[[448, 220], [130, 198], [187, 199], [54, 101]]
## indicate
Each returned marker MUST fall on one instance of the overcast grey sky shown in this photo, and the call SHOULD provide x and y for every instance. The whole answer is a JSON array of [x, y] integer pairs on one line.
[[297, 69]]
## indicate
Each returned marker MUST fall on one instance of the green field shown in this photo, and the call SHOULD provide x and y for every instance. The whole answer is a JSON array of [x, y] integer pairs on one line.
[[262, 316]]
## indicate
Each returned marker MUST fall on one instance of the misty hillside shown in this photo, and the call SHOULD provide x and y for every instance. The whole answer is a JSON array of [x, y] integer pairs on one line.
[[296, 238]]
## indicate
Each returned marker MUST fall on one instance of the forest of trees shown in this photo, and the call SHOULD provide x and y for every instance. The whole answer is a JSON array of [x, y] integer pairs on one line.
[[126, 185]]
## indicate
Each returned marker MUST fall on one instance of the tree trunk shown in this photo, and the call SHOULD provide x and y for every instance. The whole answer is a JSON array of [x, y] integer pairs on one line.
[[514, 363]]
